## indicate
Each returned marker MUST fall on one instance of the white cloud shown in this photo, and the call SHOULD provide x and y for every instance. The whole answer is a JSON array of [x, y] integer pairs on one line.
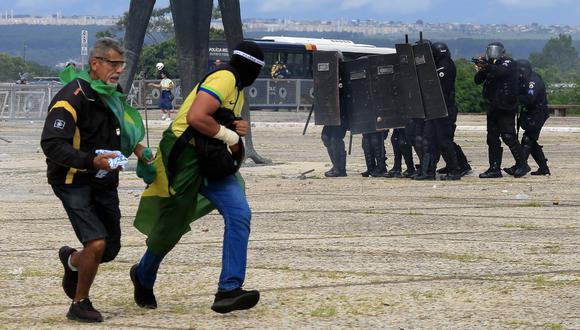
[[529, 4], [280, 7]]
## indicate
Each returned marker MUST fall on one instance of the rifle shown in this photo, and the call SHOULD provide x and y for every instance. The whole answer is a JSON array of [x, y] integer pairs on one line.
[[479, 61]]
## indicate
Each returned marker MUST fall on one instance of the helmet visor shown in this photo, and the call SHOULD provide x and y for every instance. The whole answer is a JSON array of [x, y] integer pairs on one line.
[[494, 52]]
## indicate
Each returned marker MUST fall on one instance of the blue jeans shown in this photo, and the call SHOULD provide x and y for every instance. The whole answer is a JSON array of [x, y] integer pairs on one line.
[[228, 196]]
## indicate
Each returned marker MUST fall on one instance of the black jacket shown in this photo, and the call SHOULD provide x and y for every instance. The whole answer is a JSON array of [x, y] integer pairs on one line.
[[532, 94], [77, 124], [447, 73], [500, 83]]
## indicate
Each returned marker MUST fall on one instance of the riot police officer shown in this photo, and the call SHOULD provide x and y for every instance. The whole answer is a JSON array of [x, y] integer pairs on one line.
[[447, 74], [499, 75], [401, 149], [333, 139], [534, 113], [373, 145], [438, 133]]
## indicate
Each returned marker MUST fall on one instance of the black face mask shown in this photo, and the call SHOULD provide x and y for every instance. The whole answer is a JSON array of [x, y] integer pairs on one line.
[[247, 70]]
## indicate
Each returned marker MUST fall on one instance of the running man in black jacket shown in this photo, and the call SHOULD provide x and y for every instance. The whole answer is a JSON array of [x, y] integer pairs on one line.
[[84, 116]]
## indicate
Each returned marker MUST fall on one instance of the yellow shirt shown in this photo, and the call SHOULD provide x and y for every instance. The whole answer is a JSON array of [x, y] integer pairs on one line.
[[222, 86]]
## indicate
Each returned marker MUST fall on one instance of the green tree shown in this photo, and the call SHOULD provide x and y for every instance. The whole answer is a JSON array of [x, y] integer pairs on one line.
[[12, 66], [160, 23], [558, 53], [164, 52]]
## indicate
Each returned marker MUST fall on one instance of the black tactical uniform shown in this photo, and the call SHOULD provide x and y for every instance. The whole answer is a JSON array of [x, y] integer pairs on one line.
[[499, 76], [438, 133], [414, 135], [401, 149], [447, 74], [373, 145], [534, 113], [333, 139]]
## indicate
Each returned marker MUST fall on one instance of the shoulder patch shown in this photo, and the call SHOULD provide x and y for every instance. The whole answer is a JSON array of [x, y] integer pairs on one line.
[[59, 123]]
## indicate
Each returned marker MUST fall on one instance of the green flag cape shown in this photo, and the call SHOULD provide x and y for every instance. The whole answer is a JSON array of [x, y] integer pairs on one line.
[[129, 119], [165, 212]]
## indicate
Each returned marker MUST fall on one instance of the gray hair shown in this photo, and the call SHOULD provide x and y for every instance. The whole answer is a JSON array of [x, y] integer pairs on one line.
[[103, 45]]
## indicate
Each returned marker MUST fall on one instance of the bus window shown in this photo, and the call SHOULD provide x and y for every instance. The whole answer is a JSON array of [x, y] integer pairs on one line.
[[270, 58], [299, 65]]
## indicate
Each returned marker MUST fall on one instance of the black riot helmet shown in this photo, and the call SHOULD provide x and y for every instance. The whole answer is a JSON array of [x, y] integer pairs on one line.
[[440, 50], [494, 51], [248, 60], [524, 68]]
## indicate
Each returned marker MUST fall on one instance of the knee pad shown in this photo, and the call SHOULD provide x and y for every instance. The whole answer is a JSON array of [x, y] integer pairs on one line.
[[111, 251], [508, 138], [528, 141]]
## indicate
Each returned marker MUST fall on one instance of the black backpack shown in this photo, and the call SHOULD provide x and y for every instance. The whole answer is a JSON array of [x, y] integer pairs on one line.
[[215, 159]]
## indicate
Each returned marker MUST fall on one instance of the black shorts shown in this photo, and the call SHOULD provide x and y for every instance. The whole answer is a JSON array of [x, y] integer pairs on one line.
[[93, 213]]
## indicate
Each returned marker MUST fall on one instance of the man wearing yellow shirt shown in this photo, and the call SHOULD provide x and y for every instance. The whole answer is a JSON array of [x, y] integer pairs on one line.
[[180, 194]]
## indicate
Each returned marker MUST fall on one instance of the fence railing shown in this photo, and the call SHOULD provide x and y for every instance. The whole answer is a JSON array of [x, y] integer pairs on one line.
[[30, 102]]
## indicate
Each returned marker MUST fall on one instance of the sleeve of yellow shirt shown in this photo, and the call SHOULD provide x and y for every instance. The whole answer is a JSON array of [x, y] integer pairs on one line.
[[220, 85]]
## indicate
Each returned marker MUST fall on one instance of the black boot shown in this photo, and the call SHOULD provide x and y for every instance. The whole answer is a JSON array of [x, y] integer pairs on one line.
[[369, 156], [464, 166], [332, 158], [510, 170], [427, 168], [408, 156], [380, 156], [453, 171], [494, 170], [443, 170], [339, 162], [395, 171], [521, 156], [538, 155]]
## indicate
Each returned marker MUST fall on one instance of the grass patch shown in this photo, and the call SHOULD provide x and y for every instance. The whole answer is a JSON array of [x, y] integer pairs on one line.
[[417, 295], [521, 226], [554, 326], [552, 249], [35, 272], [324, 311], [462, 257], [410, 212], [540, 282]]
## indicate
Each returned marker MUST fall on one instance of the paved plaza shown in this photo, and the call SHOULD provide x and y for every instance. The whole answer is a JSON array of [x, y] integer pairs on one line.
[[325, 253]]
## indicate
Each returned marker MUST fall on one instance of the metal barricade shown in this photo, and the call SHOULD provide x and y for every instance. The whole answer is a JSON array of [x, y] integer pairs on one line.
[[30, 102], [25, 102]]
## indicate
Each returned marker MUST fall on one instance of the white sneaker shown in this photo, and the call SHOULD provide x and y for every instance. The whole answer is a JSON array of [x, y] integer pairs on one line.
[[164, 117], [168, 118]]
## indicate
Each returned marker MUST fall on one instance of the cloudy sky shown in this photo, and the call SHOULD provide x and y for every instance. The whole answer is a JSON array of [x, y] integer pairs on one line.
[[557, 12]]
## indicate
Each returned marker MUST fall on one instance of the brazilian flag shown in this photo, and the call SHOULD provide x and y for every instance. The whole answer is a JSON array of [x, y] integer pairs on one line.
[[165, 211], [129, 119]]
